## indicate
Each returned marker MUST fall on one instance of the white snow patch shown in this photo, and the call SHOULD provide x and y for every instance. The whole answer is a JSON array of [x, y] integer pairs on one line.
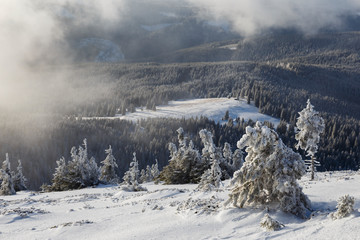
[[212, 108], [173, 212]]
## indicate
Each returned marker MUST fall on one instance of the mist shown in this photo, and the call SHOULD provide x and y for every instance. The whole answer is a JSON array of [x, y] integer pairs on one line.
[[38, 38], [251, 17]]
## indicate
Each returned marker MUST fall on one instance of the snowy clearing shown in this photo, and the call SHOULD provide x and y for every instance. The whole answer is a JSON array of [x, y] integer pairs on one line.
[[212, 108], [173, 212]]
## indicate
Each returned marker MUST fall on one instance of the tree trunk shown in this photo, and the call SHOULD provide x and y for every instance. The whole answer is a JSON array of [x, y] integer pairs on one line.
[[312, 168]]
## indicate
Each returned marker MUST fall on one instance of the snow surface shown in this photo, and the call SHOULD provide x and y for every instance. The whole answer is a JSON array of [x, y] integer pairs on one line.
[[173, 212], [212, 108]]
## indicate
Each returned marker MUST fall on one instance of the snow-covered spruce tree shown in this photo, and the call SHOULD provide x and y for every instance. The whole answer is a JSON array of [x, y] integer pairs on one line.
[[148, 176], [310, 125], [142, 178], [211, 179], [80, 172], [132, 183], [155, 171], [345, 206], [210, 149], [107, 170], [7, 185], [19, 179], [60, 181], [185, 164], [227, 153], [270, 224], [238, 159], [269, 174]]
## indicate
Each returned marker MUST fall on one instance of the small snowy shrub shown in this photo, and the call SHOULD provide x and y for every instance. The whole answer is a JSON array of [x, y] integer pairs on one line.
[[270, 224], [345, 207]]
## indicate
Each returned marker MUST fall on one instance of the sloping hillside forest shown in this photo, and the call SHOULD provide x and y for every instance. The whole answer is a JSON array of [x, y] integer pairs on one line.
[[278, 86]]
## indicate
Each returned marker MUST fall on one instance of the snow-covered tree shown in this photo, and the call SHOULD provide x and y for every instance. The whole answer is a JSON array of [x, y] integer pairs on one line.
[[78, 173], [345, 206], [142, 178], [269, 174], [60, 181], [132, 179], [310, 125], [238, 159], [107, 171], [210, 151], [211, 179], [270, 224], [155, 170], [227, 153], [19, 179], [185, 164], [7, 185], [148, 176]]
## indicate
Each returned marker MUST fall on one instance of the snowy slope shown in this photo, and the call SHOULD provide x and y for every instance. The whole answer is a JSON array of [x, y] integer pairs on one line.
[[213, 108], [172, 212]]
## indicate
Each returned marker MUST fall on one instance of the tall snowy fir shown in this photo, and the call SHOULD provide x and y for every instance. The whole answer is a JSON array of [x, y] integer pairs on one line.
[[269, 175], [310, 125], [19, 179], [108, 168]]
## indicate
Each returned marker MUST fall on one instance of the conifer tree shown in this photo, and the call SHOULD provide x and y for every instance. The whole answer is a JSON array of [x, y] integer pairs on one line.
[[7, 185], [60, 181], [107, 171], [132, 177], [310, 125], [155, 171], [269, 174], [211, 179], [238, 159], [185, 164], [19, 179], [142, 178], [148, 176]]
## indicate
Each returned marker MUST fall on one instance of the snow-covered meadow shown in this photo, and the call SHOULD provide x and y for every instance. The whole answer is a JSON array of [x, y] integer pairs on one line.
[[212, 108], [173, 212]]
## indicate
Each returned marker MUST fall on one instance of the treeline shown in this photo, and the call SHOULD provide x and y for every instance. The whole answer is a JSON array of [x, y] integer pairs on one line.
[[147, 138], [278, 89]]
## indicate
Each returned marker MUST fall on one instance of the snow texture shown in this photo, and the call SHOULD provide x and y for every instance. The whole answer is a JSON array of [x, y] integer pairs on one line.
[[173, 212], [212, 108]]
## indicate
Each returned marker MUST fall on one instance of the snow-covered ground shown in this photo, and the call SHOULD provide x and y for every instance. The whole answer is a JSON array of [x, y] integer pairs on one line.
[[172, 212], [212, 108]]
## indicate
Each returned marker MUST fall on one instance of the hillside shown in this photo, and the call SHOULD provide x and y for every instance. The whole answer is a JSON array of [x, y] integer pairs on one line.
[[173, 211]]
